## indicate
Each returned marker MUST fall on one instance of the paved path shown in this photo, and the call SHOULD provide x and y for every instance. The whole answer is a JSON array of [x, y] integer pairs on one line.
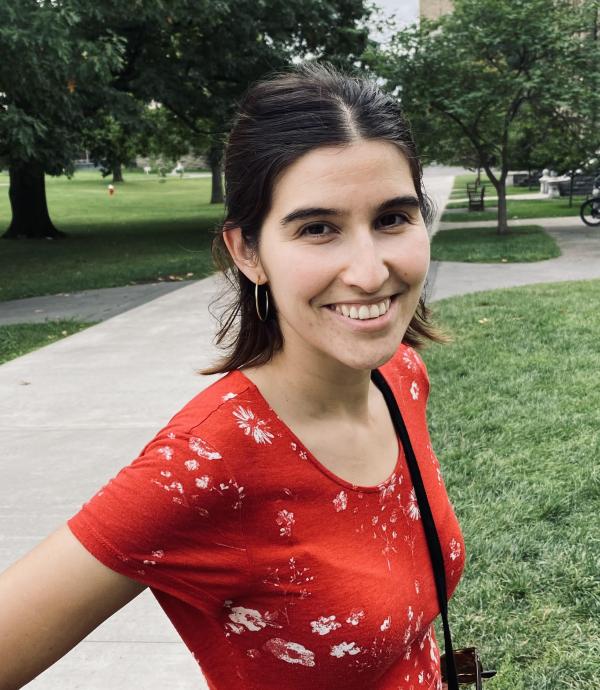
[[76, 411], [580, 260], [87, 305], [537, 196]]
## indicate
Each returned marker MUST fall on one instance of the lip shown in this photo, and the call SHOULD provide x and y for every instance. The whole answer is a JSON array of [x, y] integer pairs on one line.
[[367, 325]]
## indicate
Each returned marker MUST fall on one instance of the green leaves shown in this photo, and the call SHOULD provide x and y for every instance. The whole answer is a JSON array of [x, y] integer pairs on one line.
[[48, 85], [472, 79]]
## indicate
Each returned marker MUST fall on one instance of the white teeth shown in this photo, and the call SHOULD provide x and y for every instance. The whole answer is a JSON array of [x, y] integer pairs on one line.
[[365, 311]]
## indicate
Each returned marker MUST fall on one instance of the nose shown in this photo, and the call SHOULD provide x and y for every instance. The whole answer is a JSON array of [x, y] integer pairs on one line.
[[365, 266]]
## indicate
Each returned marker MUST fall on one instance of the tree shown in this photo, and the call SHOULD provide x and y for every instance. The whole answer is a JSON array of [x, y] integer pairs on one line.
[[465, 79], [199, 58], [51, 75], [112, 136], [67, 61]]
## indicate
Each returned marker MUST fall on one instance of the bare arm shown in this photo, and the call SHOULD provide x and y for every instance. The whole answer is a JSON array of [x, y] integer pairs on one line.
[[51, 599]]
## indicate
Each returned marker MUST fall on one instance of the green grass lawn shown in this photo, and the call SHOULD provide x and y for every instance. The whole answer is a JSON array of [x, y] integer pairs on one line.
[[146, 231], [514, 419], [526, 243], [523, 208], [21, 338]]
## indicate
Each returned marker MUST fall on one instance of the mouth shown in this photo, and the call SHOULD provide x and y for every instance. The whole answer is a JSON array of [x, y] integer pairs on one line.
[[362, 312]]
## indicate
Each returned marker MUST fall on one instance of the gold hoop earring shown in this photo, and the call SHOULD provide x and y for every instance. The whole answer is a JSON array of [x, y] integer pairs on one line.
[[266, 302]]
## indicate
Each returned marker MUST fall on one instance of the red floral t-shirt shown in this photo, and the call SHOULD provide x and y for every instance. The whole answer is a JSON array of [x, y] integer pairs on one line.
[[275, 572]]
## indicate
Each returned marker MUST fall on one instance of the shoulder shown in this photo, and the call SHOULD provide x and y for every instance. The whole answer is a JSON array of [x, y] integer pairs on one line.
[[207, 406], [185, 462], [406, 371], [206, 438]]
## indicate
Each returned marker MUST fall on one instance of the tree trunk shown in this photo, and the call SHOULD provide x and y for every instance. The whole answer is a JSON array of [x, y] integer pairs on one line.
[[27, 194], [215, 157], [571, 184], [502, 208], [117, 172]]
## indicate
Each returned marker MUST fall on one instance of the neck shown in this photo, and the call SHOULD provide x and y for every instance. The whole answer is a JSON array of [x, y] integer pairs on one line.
[[315, 390]]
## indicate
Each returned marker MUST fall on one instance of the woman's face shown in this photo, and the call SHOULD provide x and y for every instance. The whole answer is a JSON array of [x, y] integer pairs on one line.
[[327, 269]]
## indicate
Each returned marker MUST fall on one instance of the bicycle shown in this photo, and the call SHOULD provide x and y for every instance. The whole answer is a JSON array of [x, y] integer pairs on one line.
[[590, 208]]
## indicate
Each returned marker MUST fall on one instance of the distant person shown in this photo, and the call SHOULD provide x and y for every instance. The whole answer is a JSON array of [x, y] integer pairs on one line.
[[274, 516]]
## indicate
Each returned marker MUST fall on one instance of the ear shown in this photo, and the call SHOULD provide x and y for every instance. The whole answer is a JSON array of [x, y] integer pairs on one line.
[[246, 260]]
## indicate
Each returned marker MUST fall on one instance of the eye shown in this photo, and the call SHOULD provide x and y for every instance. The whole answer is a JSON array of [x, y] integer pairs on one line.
[[314, 230], [391, 216]]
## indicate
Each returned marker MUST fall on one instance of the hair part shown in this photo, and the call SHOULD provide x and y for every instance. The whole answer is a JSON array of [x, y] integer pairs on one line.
[[279, 119]]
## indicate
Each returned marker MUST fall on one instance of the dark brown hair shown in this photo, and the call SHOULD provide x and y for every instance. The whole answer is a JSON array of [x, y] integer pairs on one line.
[[279, 119]]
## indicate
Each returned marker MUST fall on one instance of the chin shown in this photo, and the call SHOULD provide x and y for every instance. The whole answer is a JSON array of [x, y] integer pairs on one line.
[[368, 361]]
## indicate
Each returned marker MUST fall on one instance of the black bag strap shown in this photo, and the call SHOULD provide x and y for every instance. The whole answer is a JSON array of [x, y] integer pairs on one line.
[[433, 542]]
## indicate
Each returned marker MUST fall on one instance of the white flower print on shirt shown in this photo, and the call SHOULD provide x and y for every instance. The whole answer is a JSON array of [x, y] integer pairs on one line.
[[191, 465], [228, 396], [166, 452], [257, 428], [324, 625], [293, 585], [454, 549], [202, 482], [292, 652], [173, 486], [201, 448], [340, 650], [285, 520], [251, 619], [238, 491], [386, 624], [355, 617], [301, 453], [414, 390], [387, 489], [409, 361], [413, 506], [340, 501]]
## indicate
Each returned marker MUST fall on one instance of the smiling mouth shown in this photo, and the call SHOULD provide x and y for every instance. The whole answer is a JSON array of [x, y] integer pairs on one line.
[[362, 312]]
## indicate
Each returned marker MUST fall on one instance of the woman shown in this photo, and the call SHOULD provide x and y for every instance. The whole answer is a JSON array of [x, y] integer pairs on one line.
[[273, 516]]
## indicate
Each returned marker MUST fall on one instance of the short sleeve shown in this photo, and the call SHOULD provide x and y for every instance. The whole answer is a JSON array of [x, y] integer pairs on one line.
[[170, 520]]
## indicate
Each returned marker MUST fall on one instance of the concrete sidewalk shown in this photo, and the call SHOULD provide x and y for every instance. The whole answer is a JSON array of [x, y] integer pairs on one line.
[[580, 260], [76, 411]]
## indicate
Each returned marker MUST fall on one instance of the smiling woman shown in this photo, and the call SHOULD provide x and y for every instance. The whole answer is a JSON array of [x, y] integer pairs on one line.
[[293, 135], [276, 517]]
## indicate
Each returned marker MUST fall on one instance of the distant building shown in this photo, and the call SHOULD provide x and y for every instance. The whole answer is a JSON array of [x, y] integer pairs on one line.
[[432, 9]]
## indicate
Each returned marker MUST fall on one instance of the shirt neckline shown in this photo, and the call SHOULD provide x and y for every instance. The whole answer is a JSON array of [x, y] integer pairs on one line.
[[313, 460]]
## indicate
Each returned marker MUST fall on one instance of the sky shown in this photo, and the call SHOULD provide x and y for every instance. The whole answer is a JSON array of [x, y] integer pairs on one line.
[[406, 11]]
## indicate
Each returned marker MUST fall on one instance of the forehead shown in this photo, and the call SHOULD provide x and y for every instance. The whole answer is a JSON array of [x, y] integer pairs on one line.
[[350, 174]]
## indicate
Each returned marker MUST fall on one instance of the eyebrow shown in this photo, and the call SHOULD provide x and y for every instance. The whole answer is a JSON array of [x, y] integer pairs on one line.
[[301, 213]]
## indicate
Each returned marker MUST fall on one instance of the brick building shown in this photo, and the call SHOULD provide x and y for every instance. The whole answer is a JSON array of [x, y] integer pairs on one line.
[[432, 9]]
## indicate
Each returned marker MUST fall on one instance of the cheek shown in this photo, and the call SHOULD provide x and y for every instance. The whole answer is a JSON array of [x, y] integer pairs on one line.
[[413, 264], [295, 277]]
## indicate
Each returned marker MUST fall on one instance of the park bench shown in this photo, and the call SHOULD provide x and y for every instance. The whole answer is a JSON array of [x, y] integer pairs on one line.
[[475, 193]]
